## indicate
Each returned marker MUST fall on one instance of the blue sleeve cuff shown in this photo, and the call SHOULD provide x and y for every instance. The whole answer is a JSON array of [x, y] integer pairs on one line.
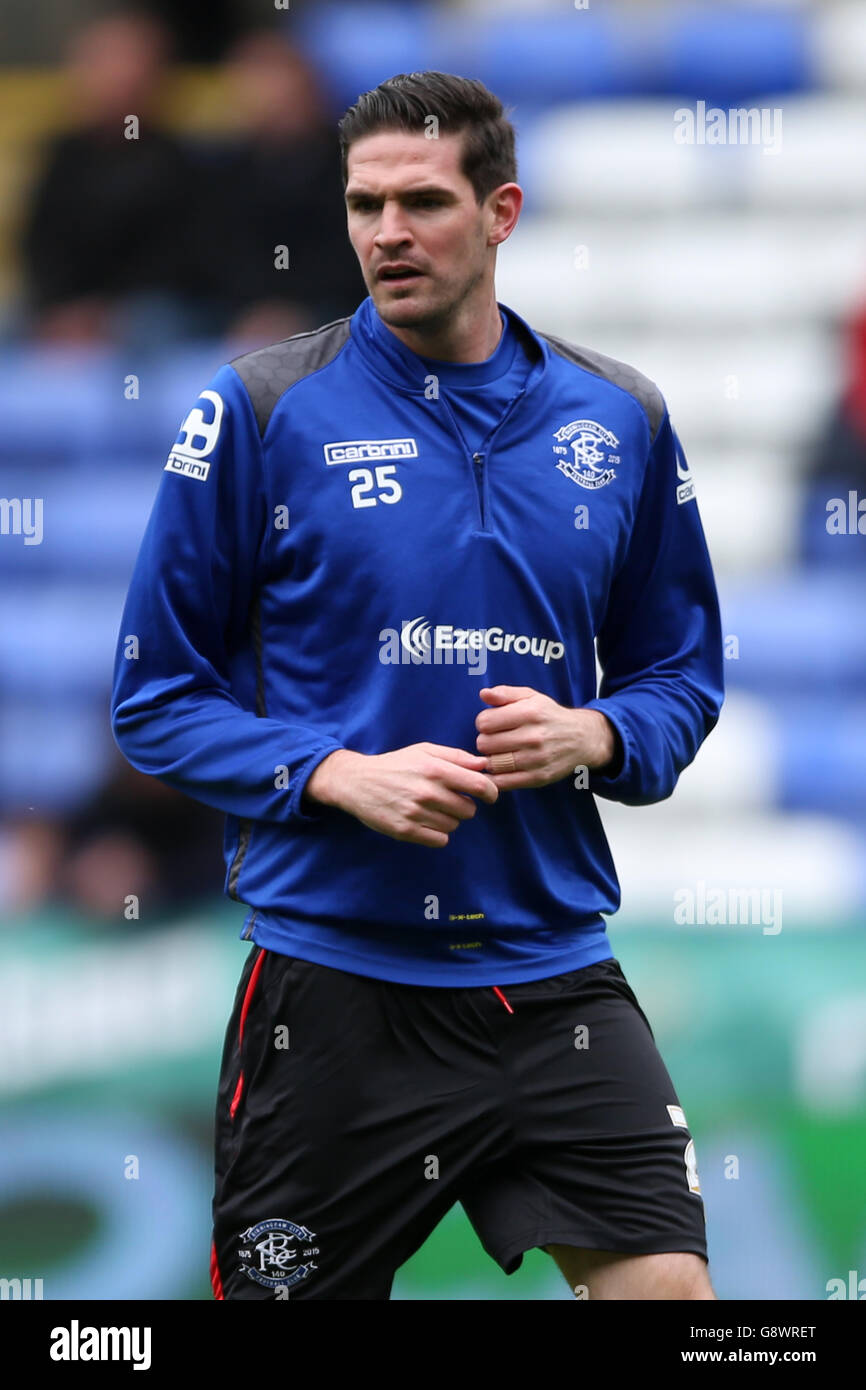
[[616, 779], [312, 811]]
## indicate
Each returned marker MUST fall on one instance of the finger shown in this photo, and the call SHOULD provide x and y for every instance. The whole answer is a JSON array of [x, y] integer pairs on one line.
[[515, 781], [434, 819], [482, 787], [509, 742], [493, 721], [505, 694], [431, 839], [442, 803], [460, 756], [468, 783]]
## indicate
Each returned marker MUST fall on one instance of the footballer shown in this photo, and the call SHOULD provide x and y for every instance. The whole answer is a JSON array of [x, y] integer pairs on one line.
[[368, 602]]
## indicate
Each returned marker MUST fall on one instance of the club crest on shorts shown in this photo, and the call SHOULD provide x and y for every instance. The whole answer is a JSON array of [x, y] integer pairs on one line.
[[276, 1253], [582, 452]]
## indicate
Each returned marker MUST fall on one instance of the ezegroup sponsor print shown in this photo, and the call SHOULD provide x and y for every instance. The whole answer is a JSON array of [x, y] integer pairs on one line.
[[418, 642]]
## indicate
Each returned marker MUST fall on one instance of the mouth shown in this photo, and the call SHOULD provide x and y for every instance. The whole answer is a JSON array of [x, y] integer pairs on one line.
[[398, 275]]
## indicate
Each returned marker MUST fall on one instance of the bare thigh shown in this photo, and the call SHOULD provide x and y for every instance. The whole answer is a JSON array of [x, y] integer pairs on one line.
[[613, 1275]]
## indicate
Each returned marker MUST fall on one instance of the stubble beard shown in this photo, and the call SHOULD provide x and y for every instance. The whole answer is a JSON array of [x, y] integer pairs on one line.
[[437, 313]]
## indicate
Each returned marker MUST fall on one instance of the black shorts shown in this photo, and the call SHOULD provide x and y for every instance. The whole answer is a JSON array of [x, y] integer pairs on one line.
[[353, 1113]]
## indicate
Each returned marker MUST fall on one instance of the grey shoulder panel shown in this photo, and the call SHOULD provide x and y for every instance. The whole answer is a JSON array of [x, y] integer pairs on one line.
[[645, 392], [269, 371]]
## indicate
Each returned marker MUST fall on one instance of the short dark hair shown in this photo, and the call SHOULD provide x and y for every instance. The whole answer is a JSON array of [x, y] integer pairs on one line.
[[460, 105]]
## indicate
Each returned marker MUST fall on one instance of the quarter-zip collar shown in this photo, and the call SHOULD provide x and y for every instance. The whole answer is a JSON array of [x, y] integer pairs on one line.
[[405, 362], [389, 358]]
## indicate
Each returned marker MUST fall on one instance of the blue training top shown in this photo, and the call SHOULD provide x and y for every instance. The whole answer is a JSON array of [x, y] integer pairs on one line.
[[349, 542]]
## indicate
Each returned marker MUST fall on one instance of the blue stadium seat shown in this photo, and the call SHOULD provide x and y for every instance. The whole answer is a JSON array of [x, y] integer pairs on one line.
[[92, 520], [724, 54], [58, 638], [54, 751], [797, 632], [822, 762], [845, 551], [357, 46], [728, 54], [75, 409], [538, 61]]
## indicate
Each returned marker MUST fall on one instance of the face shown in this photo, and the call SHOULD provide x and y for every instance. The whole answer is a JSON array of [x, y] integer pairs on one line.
[[116, 64], [424, 245]]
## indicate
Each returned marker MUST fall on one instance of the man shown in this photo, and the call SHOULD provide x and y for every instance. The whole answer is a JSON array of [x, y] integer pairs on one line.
[[356, 526], [110, 240]]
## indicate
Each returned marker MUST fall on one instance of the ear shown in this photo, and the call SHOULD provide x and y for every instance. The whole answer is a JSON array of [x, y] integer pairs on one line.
[[505, 203]]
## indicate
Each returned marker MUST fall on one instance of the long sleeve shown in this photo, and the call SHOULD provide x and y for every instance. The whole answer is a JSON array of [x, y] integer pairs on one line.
[[188, 704], [660, 645]]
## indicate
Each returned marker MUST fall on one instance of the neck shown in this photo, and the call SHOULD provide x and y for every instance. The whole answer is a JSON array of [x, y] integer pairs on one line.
[[465, 336]]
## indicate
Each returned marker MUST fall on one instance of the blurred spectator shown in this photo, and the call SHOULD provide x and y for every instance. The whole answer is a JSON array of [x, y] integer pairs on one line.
[[278, 184], [841, 453], [837, 464], [134, 836], [110, 242]]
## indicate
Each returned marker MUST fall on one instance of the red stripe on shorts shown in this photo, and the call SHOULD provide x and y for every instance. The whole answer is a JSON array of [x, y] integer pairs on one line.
[[215, 1279], [248, 999]]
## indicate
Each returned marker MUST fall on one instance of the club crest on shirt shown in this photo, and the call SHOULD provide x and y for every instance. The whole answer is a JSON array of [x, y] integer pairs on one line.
[[582, 453]]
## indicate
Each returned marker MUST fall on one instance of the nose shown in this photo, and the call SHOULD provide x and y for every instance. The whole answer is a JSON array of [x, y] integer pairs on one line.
[[393, 229]]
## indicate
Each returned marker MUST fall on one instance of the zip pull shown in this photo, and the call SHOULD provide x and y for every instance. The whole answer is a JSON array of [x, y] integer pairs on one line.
[[497, 990], [478, 464]]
